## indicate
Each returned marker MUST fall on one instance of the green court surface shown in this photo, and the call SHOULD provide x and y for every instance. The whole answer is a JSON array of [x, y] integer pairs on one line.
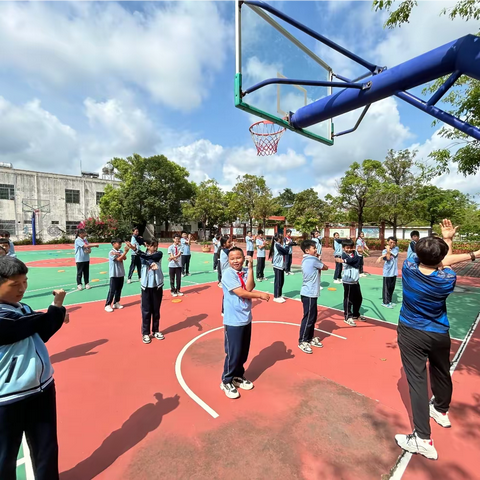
[[463, 304]]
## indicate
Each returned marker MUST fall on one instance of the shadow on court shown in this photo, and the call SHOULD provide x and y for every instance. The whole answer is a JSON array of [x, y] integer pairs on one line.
[[193, 321], [196, 289], [82, 350], [328, 326], [267, 358], [145, 420]]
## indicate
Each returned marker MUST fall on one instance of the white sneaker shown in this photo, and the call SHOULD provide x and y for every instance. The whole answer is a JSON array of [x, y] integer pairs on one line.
[[279, 300], [230, 390], [183, 275], [291, 273], [146, 339], [79, 287], [441, 418], [321, 288], [117, 305], [316, 342], [180, 294], [337, 281], [159, 335], [87, 286], [363, 275], [414, 444], [387, 305], [305, 347], [242, 382], [129, 281], [108, 309], [350, 322], [174, 294], [220, 285]]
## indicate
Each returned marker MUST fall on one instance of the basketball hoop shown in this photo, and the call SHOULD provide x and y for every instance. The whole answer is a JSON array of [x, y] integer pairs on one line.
[[265, 136]]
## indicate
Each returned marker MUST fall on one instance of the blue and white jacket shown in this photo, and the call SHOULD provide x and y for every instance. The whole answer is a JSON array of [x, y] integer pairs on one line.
[[25, 367], [279, 253]]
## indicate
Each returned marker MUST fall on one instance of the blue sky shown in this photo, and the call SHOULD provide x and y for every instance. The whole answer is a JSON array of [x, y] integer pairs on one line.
[[83, 82]]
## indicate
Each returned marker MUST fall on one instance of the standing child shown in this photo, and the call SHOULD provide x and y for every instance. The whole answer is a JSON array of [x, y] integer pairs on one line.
[[390, 271], [11, 246], [288, 243], [82, 258], [260, 243], [415, 236], [152, 290], [337, 253], [249, 241], [186, 255], [352, 294], [318, 242], [423, 334], [136, 241], [223, 263], [4, 247], [175, 266], [311, 268], [238, 293], [278, 254], [216, 247], [27, 388], [362, 251], [117, 275]]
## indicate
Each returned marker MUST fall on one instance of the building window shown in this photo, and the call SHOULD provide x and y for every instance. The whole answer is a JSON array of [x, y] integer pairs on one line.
[[99, 197], [55, 222], [8, 225], [187, 228], [72, 196], [71, 227], [7, 192]]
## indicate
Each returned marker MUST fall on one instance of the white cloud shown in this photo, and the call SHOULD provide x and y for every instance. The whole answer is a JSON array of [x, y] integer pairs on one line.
[[33, 138], [170, 51]]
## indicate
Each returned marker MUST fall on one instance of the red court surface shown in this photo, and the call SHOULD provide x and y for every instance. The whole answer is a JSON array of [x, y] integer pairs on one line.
[[123, 414], [62, 262]]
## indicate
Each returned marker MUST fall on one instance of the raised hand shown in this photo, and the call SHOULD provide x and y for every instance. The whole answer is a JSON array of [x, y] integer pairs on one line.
[[448, 230], [59, 297]]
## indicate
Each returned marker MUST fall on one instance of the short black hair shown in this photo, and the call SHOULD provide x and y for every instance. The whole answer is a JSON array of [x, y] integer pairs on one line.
[[288, 230], [177, 235], [116, 240], [10, 267], [5, 241], [336, 233], [431, 250], [260, 232], [236, 249], [306, 244], [392, 238], [414, 233], [348, 242], [134, 228], [6, 234], [152, 241]]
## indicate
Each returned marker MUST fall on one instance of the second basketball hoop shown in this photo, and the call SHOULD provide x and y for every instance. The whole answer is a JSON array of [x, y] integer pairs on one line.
[[265, 136]]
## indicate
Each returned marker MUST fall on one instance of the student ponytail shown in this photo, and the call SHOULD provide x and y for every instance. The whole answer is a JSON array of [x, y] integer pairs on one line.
[[278, 237]]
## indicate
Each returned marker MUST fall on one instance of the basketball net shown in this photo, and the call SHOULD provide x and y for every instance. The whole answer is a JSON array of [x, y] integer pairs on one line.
[[265, 136]]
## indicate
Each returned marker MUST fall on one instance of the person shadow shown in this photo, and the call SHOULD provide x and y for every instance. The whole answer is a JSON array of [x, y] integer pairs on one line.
[[193, 321], [82, 350], [267, 358], [328, 326], [143, 421]]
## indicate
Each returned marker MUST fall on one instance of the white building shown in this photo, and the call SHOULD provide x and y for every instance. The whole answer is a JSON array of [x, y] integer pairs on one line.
[[62, 201]]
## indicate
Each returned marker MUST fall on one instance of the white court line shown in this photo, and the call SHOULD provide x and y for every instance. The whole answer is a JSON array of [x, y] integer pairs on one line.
[[404, 459], [178, 364]]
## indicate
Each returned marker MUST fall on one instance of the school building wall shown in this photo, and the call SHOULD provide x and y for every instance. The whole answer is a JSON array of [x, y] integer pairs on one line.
[[71, 199]]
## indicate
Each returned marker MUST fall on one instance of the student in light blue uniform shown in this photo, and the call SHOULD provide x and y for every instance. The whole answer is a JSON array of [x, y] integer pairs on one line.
[[390, 271], [311, 268], [362, 249], [238, 285], [223, 263], [27, 387], [260, 244], [4, 247], [288, 244], [186, 254], [337, 253], [116, 271], [11, 249], [152, 290], [318, 241], [249, 239], [415, 236], [278, 255], [82, 258], [216, 247], [175, 266], [135, 263]]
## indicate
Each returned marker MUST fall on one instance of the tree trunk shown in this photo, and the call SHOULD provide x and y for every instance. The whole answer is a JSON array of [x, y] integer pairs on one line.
[[360, 223], [394, 225], [166, 226], [251, 223]]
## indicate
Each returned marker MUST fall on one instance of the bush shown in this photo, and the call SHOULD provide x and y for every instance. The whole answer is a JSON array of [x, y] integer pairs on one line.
[[103, 230], [28, 241], [60, 240]]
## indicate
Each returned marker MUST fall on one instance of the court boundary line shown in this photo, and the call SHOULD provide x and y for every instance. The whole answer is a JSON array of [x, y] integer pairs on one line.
[[178, 362], [398, 470]]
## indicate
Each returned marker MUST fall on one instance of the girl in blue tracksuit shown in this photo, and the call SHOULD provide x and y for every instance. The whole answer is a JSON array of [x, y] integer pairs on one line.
[[278, 255]]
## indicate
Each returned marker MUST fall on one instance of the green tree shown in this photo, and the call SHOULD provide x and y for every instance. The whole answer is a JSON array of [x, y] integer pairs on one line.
[[396, 190], [357, 189], [151, 190], [464, 98], [207, 205], [284, 201], [308, 211], [433, 204], [250, 192]]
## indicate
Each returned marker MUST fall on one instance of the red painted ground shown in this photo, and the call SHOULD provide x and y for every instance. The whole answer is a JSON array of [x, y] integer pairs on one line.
[[62, 262], [330, 415]]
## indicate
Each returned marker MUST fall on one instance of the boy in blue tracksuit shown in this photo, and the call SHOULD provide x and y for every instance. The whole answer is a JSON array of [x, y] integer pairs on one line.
[[249, 239], [390, 271], [238, 286], [175, 252], [415, 236], [11, 246], [185, 241], [116, 271], [311, 268], [216, 247], [27, 389], [337, 253], [136, 241], [260, 244], [288, 243], [151, 282], [279, 257], [352, 294]]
